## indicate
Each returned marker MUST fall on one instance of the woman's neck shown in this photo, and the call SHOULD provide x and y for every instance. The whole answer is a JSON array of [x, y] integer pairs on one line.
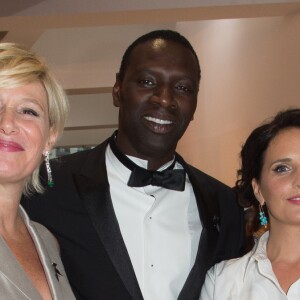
[[283, 243], [10, 196]]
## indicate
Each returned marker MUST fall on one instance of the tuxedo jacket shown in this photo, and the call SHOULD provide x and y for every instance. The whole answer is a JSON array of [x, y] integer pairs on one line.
[[79, 211], [15, 283]]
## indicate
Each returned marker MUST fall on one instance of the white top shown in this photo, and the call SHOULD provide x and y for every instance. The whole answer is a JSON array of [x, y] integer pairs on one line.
[[250, 277], [161, 229]]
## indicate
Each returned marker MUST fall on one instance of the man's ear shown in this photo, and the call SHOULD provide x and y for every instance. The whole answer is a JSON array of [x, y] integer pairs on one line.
[[257, 191], [116, 92]]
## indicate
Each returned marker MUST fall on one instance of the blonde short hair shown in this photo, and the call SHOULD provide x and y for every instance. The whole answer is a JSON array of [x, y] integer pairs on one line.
[[20, 66]]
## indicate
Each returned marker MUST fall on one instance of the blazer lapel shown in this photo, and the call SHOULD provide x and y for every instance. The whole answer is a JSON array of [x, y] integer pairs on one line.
[[13, 271], [15, 275], [44, 257], [93, 188]]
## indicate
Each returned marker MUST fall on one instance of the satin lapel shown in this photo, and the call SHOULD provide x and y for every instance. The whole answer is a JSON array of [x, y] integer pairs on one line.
[[15, 275], [93, 188], [208, 207], [44, 258], [12, 270], [209, 214]]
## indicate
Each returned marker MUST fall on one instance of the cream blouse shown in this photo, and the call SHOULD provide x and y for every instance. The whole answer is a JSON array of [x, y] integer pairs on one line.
[[250, 277]]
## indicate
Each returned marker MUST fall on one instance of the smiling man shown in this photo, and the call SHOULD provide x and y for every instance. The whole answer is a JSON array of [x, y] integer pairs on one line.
[[157, 97], [133, 219]]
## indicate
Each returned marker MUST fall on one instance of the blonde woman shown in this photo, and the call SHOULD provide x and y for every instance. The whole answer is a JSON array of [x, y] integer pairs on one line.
[[33, 109]]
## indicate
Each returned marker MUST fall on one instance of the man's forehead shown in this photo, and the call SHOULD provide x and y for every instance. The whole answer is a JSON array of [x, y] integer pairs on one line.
[[160, 49], [158, 43]]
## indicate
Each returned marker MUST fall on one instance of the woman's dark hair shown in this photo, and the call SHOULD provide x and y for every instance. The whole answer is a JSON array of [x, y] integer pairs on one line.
[[168, 35], [252, 160], [253, 152]]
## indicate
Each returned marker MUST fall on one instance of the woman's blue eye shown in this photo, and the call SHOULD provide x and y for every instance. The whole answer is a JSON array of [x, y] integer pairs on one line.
[[281, 169]]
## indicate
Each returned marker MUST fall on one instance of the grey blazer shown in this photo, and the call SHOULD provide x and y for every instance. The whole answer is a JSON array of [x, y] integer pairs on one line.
[[14, 282]]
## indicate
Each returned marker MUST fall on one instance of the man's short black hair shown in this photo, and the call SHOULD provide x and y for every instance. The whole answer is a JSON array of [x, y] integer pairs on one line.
[[168, 35]]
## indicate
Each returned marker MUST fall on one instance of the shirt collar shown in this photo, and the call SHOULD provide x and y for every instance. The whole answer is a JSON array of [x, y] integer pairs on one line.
[[259, 251], [138, 161]]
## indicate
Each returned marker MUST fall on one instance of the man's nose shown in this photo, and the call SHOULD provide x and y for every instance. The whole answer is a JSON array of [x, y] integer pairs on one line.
[[164, 95], [8, 121]]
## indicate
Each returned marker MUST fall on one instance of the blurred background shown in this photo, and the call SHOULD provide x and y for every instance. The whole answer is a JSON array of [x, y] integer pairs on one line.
[[249, 53]]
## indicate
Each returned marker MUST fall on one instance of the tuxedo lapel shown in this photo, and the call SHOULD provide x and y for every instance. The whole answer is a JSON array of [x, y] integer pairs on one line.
[[93, 188], [207, 206], [209, 215]]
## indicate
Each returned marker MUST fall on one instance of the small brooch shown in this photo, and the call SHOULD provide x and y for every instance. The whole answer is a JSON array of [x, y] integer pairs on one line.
[[56, 270]]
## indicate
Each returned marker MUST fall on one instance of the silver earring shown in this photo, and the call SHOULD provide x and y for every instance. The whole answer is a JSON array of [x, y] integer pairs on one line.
[[48, 168]]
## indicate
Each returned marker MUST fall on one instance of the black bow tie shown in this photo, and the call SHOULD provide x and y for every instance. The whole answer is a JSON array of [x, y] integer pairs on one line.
[[169, 178]]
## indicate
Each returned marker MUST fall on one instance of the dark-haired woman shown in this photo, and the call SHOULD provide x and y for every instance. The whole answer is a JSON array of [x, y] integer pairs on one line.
[[269, 180]]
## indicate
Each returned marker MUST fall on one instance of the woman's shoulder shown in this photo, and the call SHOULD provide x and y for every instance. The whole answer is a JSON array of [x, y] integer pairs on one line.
[[230, 268]]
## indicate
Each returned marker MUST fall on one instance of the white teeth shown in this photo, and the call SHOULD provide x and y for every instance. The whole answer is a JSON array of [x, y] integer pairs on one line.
[[159, 121]]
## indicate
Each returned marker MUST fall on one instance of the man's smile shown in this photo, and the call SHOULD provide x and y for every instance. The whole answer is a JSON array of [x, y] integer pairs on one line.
[[158, 121]]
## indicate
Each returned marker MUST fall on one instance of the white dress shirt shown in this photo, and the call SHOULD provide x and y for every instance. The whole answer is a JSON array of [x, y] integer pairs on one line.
[[161, 229], [250, 277]]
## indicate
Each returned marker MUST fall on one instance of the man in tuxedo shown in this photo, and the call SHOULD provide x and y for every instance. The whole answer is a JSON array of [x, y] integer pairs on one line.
[[133, 219]]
